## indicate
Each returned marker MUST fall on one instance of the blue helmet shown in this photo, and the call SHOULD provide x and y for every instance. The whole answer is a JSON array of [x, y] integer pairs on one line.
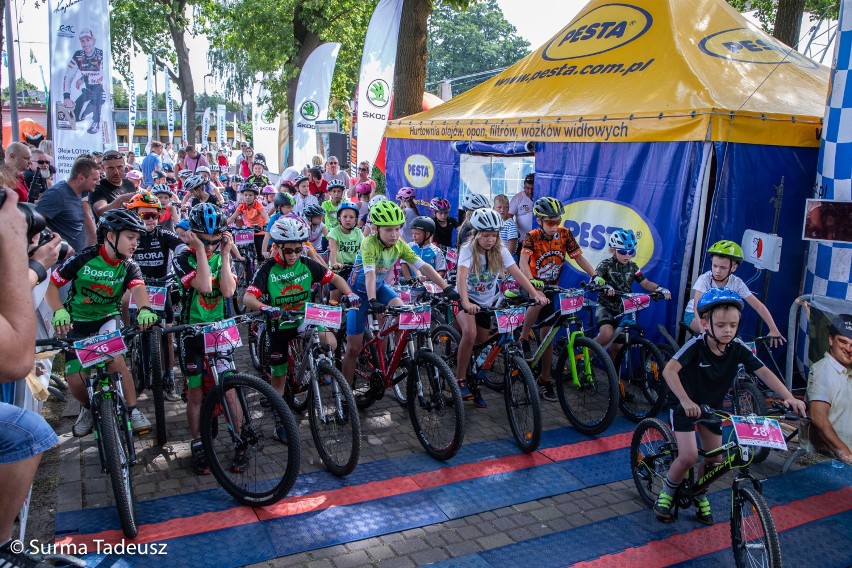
[[348, 205], [206, 218], [183, 224], [622, 239], [713, 297]]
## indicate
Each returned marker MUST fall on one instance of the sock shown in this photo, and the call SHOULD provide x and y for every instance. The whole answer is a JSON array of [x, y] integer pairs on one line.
[[130, 409], [671, 486]]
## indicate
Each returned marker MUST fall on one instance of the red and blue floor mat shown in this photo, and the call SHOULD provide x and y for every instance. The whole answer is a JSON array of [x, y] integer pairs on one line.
[[208, 529]]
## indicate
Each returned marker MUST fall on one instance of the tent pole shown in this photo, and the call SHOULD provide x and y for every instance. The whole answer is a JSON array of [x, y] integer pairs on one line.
[[10, 62], [776, 201], [698, 228]]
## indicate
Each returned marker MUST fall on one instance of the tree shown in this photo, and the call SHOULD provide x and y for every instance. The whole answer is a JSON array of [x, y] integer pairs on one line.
[[784, 17], [477, 39]]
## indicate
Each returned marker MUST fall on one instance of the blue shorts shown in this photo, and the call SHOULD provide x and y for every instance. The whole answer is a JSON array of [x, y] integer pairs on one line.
[[23, 434], [356, 320], [688, 317]]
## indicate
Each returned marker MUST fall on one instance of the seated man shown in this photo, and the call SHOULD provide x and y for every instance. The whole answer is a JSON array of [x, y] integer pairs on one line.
[[830, 393]]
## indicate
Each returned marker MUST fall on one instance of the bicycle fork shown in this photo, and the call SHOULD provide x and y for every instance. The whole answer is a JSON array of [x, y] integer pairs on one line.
[[122, 416]]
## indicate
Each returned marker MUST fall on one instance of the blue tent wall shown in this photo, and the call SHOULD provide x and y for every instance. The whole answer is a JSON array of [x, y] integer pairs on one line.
[[442, 163]]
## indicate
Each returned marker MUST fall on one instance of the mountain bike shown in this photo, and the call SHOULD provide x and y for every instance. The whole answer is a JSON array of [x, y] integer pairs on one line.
[[110, 416], [243, 269], [653, 449], [250, 410]]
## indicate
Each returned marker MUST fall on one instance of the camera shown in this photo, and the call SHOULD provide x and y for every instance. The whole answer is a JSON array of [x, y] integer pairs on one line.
[[36, 225], [45, 237]]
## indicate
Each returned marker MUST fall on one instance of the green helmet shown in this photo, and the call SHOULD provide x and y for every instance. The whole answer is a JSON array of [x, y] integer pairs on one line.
[[386, 213], [727, 249], [548, 207]]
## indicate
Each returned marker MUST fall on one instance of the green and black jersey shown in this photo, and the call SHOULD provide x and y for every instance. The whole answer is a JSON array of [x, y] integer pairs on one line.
[[198, 307], [288, 287]]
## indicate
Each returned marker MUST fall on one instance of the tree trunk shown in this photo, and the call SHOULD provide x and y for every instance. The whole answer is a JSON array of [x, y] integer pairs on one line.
[[183, 79], [409, 79], [788, 21]]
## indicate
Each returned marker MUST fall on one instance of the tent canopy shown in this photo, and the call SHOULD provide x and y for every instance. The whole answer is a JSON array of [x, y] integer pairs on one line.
[[653, 70]]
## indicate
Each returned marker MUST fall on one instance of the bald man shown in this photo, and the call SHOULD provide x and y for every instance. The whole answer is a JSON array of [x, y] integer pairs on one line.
[[18, 158]]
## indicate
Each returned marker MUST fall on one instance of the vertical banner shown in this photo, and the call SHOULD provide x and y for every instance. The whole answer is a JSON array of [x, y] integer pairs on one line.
[[236, 133], [265, 132], [221, 133], [205, 128], [150, 102], [131, 105], [375, 85], [184, 136], [81, 83], [312, 94], [170, 105]]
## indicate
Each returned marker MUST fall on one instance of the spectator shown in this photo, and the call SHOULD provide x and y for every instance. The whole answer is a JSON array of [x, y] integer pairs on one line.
[[98, 157], [62, 206], [362, 177], [332, 166], [131, 163], [37, 174], [244, 167], [318, 185], [152, 162], [181, 156], [115, 189], [830, 393], [18, 158], [46, 146], [168, 155], [521, 207], [193, 159], [509, 232], [222, 159]]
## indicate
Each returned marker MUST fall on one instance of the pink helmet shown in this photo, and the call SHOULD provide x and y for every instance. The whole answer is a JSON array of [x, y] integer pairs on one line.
[[405, 193], [439, 204], [363, 188], [134, 175], [268, 189]]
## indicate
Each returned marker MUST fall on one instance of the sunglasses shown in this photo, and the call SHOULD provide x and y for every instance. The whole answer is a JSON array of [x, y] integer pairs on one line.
[[42, 162], [547, 223], [332, 163], [362, 169], [625, 252], [113, 156], [213, 243], [148, 216], [291, 250]]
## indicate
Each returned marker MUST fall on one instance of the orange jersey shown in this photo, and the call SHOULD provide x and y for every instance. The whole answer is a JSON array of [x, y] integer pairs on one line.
[[252, 216], [547, 255]]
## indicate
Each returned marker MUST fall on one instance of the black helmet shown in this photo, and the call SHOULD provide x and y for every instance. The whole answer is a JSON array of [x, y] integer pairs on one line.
[[207, 218], [424, 223], [313, 211], [282, 199], [119, 220]]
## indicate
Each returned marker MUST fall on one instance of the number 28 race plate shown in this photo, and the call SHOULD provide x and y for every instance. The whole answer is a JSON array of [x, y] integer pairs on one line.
[[759, 431]]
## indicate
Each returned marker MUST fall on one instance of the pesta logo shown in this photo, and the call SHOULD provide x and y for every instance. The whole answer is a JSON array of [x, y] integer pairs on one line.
[[602, 29], [591, 221], [378, 93], [419, 171], [747, 46], [309, 110]]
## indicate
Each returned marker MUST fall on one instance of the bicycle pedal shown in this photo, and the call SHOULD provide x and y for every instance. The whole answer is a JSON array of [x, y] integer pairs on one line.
[[140, 433]]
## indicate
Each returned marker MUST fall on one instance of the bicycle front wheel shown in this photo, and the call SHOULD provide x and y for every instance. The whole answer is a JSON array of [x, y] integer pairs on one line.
[[245, 459], [639, 365], [242, 274], [589, 396], [748, 399], [523, 406], [117, 455], [296, 391], [753, 535], [435, 406], [653, 449], [335, 425], [154, 339]]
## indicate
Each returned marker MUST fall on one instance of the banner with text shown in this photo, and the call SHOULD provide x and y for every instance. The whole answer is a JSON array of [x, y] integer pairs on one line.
[[170, 106], [131, 105], [205, 128], [221, 129], [312, 94], [265, 131], [150, 103], [183, 135], [81, 83]]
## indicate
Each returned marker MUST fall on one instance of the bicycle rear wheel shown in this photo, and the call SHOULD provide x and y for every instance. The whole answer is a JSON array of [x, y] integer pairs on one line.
[[117, 455], [653, 449], [523, 406], [365, 368], [589, 399], [753, 536], [153, 339], [335, 425], [244, 424], [435, 406], [639, 365], [748, 399], [296, 391], [242, 274]]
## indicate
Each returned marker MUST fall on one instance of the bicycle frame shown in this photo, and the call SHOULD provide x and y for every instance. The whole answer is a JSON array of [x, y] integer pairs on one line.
[[559, 323], [379, 335], [99, 385]]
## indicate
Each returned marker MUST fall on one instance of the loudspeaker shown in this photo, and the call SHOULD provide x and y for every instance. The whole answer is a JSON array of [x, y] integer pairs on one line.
[[338, 145]]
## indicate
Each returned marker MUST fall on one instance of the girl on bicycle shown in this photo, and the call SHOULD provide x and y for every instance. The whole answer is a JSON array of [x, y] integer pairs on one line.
[[444, 224], [405, 196], [481, 260]]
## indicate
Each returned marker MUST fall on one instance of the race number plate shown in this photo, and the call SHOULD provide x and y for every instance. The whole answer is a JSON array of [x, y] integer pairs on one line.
[[635, 302], [99, 348], [220, 336], [420, 318], [156, 296], [326, 316], [509, 320], [570, 303], [432, 288], [759, 431], [243, 237]]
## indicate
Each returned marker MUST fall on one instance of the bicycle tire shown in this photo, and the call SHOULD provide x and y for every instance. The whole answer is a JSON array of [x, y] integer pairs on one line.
[[281, 459], [494, 376], [748, 399], [652, 438], [154, 338], [445, 344], [365, 367], [435, 406], [749, 509], [243, 273], [58, 382], [137, 366], [338, 435], [639, 367], [590, 402], [117, 458], [58, 394], [523, 406], [297, 393], [254, 343]]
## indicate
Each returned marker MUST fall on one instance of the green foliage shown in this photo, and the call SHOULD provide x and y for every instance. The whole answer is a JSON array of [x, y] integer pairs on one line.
[[21, 85], [766, 10], [470, 41], [381, 183]]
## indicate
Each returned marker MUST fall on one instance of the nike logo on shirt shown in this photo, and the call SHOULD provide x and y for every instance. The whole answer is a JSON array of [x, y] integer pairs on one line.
[[704, 365]]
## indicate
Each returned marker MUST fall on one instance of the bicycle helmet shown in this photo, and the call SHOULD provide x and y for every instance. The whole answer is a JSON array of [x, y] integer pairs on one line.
[[158, 174], [350, 206], [299, 180], [375, 199], [250, 187], [118, 220], [185, 174], [621, 239], [439, 204], [288, 230], [548, 207], [282, 199], [841, 325], [236, 179], [193, 182], [260, 157], [202, 170], [386, 214], [215, 168], [183, 224], [168, 168], [713, 297], [206, 218], [486, 219], [474, 201], [258, 162], [288, 184], [268, 190], [424, 224], [134, 175], [161, 188], [143, 199], [313, 211], [405, 193], [363, 188], [336, 183], [726, 249]]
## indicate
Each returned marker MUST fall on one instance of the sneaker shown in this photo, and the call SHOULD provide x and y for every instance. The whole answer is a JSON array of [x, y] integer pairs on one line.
[[546, 391], [702, 510], [663, 506], [241, 460], [478, 401], [138, 422], [170, 392], [83, 425], [280, 433], [199, 459], [94, 128], [465, 392]]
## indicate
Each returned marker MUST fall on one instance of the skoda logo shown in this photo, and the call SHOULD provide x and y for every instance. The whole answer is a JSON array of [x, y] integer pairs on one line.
[[603, 29], [309, 110], [378, 93]]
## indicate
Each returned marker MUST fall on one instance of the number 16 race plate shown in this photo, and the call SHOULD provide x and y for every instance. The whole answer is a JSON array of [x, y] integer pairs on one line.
[[759, 431], [99, 348]]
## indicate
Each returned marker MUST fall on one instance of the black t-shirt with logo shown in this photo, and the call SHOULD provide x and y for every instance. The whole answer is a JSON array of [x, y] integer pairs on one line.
[[106, 191]]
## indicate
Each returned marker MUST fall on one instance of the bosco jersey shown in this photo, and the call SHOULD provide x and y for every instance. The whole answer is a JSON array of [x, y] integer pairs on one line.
[[97, 283], [198, 307], [374, 256], [548, 255], [288, 287]]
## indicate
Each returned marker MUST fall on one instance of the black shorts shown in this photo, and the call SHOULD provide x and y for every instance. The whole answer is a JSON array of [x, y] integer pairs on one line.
[[193, 356], [279, 347], [681, 423]]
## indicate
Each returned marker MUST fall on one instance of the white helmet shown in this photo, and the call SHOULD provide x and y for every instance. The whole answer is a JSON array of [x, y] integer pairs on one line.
[[474, 201], [486, 219], [193, 181], [375, 199], [288, 230], [202, 170], [185, 173]]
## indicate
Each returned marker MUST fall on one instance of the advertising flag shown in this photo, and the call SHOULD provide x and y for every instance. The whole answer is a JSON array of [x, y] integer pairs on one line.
[[205, 128], [221, 134], [170, 106], [131, 105], [375, 85], [150, 101], [81, 83], [312, 94], [183, 134], [265, 132], [236, 135]]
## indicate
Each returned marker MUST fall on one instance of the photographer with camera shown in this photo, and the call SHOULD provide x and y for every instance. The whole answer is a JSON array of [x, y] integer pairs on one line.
[[62, 204]]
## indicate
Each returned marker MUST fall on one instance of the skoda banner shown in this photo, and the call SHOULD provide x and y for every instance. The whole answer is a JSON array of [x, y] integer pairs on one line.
[[221, 129], [312, 95], [375, 85], [170, 106], [205, 128], [81, 84], [265, 133]]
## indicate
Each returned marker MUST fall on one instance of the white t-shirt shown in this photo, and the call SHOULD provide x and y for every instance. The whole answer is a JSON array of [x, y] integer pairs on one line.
[[831, 382], [482, 287], [705, 282], [521, 207]]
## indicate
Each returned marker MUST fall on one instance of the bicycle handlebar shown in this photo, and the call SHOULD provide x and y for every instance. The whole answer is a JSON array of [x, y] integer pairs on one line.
[[65, 343]]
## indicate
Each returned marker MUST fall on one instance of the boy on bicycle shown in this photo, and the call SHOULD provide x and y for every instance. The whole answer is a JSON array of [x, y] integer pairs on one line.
[[344, 242], [700, 374], [283, 282], [253, 215], [99, 275], [422, 229], [204, 273], [543, 254]]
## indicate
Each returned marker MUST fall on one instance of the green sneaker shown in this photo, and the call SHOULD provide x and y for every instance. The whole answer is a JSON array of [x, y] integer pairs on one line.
[[663, 506], [702, 510]]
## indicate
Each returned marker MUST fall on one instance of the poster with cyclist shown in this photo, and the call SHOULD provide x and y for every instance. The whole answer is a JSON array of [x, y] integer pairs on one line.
[[80, 80]]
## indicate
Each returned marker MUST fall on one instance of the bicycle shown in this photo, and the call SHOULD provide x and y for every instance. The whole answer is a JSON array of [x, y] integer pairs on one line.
[[653, 449], [433, 397], [243, 269], [314, 381], [110, 416], [251, 411]]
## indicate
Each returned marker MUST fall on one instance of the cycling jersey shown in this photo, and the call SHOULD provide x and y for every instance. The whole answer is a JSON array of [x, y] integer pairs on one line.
[[91, 67], [252, 214], [152, 254], [330, 214], [548, 255], [347, 244], [198, 307], [620, 277], [260, 181], [375, 257], [431, 255], [287, 287], [97, 283]]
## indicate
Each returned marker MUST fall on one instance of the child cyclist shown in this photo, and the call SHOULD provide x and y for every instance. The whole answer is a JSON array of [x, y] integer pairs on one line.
[[379, 252], [253, 215], [344, 242], [314, 215], [405, 196], [204, 273], [544, 253], [283, 282], [330, 205], [725, 257], [469, 204], [422, 229], [481, 260], [283, 206], [99, 275], [700, 374], [444, 224]]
